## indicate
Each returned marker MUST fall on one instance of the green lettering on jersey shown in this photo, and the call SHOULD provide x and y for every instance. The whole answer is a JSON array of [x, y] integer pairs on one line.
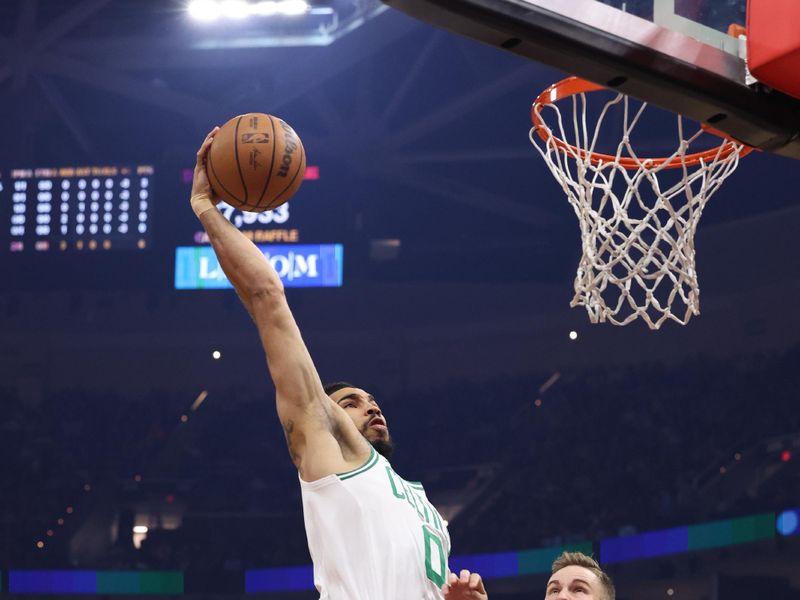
[[409, 497], [414, 501], [391, 481], [413, 493], [425, 508], [434, 557]]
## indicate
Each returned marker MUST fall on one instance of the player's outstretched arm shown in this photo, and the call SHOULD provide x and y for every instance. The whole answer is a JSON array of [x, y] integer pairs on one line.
[[310, 419], [464, 586]]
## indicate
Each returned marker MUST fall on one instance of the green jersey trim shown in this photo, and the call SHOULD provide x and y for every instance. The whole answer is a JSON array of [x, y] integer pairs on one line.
[[371, 462]]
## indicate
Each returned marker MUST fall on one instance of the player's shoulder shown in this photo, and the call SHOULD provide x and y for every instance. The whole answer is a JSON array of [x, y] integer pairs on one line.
[[372, 460], [327, 457]]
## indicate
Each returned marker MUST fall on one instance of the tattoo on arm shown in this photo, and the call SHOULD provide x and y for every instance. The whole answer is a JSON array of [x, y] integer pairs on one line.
[[288, 428]]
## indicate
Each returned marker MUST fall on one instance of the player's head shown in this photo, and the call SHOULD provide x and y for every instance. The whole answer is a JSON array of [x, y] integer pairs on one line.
[[576, 576], [362, 408]]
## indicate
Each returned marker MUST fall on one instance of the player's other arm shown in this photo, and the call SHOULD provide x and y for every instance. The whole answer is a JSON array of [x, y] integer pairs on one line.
[[311, 421]]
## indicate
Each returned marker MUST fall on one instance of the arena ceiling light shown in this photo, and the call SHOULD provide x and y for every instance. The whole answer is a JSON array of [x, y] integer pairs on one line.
[[276, 23], [212, 10], [284, 7]]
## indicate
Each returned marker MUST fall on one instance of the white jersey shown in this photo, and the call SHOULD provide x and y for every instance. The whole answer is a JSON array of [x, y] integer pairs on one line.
[[374, 536]]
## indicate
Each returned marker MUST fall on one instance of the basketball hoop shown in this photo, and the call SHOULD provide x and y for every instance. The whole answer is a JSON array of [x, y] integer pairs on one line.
[[637, 227]]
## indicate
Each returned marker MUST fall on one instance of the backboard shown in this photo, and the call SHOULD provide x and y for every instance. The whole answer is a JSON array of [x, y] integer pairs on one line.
[[676, 54]]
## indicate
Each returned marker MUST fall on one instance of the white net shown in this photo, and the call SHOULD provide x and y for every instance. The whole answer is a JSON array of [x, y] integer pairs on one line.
[[637, 218]]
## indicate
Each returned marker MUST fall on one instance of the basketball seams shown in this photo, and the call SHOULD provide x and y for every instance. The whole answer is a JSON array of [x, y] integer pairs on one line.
[[271, 163], [238, 164], [219, 181]]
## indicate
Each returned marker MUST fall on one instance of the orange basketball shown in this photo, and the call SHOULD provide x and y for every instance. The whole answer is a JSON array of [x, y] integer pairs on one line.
[[256, 162]]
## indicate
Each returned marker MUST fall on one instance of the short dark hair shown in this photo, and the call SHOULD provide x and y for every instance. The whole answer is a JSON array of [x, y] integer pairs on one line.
[[335, 386]]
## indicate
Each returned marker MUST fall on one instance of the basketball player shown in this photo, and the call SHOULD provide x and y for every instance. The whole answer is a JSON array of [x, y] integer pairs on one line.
[[576, 576], [372, 535]]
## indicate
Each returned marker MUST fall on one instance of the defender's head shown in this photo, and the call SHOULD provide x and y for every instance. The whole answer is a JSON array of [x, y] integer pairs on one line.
[[362, 408], [576, 576]]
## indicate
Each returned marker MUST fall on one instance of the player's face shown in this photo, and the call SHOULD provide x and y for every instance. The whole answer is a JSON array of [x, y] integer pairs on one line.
[[574, 583], [365, 412]]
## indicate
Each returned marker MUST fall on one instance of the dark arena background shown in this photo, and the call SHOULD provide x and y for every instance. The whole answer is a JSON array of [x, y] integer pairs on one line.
[[428, 257]]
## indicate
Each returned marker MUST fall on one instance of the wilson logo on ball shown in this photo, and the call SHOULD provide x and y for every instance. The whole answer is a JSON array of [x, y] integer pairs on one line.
[[256, 162], [289, 147]]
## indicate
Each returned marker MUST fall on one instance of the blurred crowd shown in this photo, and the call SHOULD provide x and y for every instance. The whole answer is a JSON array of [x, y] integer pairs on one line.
[[592, 454]]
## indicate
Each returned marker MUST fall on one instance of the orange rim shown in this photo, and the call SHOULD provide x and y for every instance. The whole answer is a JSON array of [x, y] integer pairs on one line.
[[575, 85]]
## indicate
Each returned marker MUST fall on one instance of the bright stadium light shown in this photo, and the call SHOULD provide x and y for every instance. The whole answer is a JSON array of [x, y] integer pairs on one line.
[[235, 9], [265, 9], [204, 10], [293, 7], [210, 10], [277, 23], [282, 7]]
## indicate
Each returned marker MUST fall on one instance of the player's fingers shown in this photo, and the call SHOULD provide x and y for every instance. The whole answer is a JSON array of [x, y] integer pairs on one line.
[[201, 153], [210, 135], [476, 583], [445, 590], [452, 578], [464, 576]]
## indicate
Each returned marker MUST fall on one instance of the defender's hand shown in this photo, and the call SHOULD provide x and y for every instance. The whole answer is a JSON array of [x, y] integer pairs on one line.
[[203, 197], [467, 586]]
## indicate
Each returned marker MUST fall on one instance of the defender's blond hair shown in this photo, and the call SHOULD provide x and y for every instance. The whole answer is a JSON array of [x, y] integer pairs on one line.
[[579, 559]]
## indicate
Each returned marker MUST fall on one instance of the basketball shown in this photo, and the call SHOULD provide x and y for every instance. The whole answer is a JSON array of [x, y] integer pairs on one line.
[[256, 162]]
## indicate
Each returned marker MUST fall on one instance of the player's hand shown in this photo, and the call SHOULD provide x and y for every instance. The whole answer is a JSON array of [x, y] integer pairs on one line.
[[465, 586], [202, 194]]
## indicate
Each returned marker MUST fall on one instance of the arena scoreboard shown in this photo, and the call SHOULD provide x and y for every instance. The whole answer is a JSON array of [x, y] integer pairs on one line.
[[77, 208]]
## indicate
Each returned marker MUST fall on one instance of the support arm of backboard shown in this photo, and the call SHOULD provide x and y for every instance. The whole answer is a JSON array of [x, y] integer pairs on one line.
[[630, 54]]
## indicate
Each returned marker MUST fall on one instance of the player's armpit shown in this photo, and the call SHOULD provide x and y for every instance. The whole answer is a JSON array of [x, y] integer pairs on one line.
[[313, 449], [322, 440]]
